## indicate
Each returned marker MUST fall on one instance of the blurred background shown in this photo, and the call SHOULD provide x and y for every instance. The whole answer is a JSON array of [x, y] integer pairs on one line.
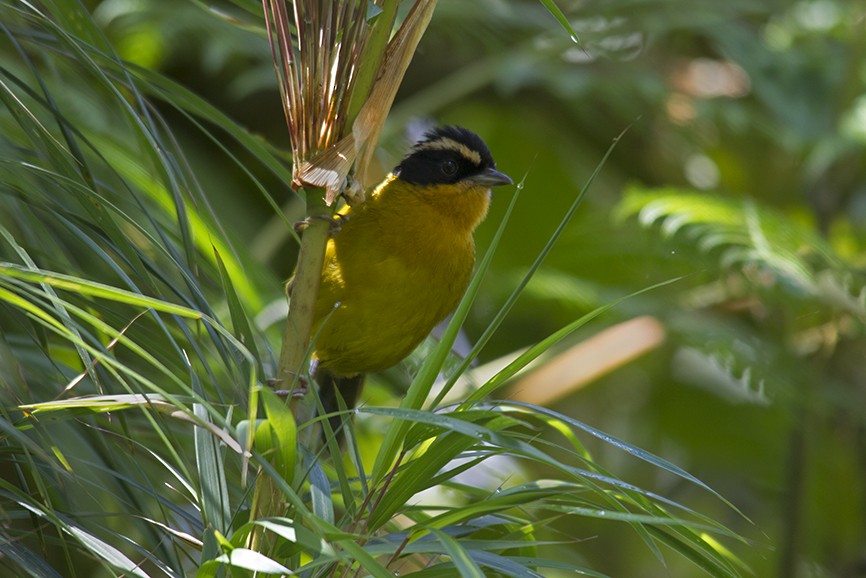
[[738, 169]]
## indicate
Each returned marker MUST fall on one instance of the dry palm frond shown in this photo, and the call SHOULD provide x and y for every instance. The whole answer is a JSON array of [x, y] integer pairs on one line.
[[316, 50], [319, 51]]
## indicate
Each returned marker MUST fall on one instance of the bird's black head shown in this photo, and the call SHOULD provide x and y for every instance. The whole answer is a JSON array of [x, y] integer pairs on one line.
[[448, 155]]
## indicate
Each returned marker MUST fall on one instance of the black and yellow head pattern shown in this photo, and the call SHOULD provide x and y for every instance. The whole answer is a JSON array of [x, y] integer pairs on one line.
[[449, 155]]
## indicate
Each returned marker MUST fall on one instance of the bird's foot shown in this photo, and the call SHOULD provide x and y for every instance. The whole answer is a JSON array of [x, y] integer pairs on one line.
[[335, 221], [298, 391]]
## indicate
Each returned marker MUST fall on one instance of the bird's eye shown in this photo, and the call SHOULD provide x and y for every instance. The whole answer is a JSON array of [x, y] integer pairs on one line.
[[449, 167]]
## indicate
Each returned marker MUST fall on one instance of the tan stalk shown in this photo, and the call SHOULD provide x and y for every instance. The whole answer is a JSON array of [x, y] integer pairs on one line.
[[375, 47], [371, 118]]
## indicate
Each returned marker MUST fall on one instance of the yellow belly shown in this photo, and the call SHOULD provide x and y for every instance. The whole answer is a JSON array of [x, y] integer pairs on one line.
[[374, 315], [388, 280]]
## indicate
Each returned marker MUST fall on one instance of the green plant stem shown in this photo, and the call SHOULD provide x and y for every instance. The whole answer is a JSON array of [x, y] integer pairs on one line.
[[304, 288], [267, 499]]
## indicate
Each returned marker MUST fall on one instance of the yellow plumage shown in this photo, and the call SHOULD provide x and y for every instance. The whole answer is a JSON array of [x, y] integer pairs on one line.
[[398, 267], [402, 260]]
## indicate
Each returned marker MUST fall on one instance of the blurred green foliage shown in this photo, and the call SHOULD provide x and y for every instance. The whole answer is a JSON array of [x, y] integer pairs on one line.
[[741, 168]]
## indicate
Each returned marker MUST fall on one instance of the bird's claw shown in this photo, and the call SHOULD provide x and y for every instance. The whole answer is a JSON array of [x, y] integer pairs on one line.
[[298, 391], [335, 221]]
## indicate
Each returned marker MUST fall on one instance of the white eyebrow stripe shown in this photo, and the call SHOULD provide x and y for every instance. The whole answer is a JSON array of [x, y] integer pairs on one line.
[[448, 144]]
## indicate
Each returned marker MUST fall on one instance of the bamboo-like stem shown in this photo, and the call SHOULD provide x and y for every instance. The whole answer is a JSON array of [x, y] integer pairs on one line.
[[305, 287], [267, 499]]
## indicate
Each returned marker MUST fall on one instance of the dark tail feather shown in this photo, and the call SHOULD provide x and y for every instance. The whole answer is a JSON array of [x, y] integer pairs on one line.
[[332, 388]]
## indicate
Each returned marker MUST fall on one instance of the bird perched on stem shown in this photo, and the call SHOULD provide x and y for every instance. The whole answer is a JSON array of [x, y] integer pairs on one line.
[[401, 261]]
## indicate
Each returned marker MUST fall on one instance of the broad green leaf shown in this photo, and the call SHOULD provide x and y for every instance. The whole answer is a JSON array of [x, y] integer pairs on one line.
[[284, 432], [250, 560]]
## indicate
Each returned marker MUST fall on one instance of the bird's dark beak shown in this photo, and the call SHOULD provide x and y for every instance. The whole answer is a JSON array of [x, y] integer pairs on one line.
[[490, 177]]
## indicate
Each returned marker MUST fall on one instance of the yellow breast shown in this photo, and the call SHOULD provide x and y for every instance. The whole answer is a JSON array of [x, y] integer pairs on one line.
[[397, 268]]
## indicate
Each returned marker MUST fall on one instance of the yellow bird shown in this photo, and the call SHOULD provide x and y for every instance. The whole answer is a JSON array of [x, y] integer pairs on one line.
[[401, 261]]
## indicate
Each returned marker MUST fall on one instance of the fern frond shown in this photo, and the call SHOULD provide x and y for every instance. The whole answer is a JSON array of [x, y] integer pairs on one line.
[[777, 251]]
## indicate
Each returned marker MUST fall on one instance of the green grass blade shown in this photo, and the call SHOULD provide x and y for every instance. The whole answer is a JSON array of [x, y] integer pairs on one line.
[[539, 348], [646, 456], [213, 496], [539, 259], [702, 556], [426, 376], [26, 562], [560, 17], [240, 322], [462, 560]]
